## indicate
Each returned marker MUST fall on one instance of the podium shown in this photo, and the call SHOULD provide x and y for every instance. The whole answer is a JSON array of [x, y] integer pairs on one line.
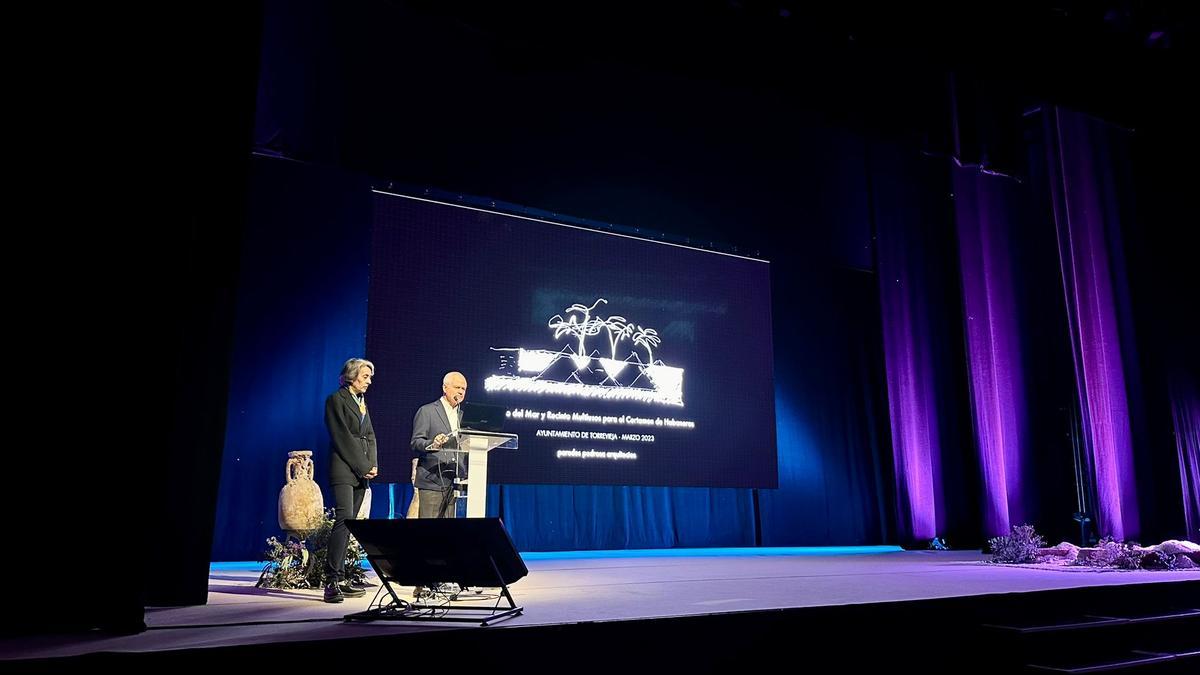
[[476, 445]]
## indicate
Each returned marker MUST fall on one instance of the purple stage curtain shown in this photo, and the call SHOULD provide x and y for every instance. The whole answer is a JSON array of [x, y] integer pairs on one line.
[[984, 216], [1185, 410], [910, 235], [1086, 220]]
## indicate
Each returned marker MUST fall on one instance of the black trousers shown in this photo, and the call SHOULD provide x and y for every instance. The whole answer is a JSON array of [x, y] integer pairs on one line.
[[348, 500]]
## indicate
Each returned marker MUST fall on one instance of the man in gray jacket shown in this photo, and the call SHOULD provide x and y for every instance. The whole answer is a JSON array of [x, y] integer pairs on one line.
[[434, 428]]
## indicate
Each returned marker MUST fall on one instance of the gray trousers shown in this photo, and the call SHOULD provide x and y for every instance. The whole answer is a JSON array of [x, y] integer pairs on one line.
[[437, 503]]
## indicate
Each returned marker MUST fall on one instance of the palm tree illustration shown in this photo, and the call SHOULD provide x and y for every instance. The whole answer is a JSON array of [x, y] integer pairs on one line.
[[617, 330], [575, 327], [648, 338]]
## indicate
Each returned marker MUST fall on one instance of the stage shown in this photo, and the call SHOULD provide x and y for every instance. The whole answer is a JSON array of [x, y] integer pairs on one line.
[[587, 588]]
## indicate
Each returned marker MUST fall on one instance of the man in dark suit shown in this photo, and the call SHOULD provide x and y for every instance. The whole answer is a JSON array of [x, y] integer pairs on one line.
[[353, 462], [434, 428]]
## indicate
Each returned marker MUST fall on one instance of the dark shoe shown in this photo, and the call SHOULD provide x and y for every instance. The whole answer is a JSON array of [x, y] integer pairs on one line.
[[333, 593], [349, 591]]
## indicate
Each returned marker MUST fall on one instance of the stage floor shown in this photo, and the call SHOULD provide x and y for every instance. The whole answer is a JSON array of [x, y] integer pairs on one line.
[[598, 586]]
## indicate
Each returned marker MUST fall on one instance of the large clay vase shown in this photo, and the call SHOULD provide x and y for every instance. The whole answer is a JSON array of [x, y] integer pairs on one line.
[[301, 506]]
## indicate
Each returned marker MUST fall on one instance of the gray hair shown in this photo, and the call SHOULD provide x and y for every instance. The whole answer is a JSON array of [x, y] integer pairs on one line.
[[446, 378], [351, 368]]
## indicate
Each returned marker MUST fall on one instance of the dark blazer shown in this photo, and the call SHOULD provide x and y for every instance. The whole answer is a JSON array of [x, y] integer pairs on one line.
[[435, 470], [352, 450]]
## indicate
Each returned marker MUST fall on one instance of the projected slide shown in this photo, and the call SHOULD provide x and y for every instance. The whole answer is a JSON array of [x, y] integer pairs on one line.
[[618, 360]]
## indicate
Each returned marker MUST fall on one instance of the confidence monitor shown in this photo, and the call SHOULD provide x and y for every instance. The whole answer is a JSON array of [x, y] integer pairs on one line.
[[483, 417], [471, 552]]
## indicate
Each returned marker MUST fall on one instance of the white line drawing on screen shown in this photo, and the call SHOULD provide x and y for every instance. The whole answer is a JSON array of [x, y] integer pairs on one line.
[[568, 370], [583, 329]]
